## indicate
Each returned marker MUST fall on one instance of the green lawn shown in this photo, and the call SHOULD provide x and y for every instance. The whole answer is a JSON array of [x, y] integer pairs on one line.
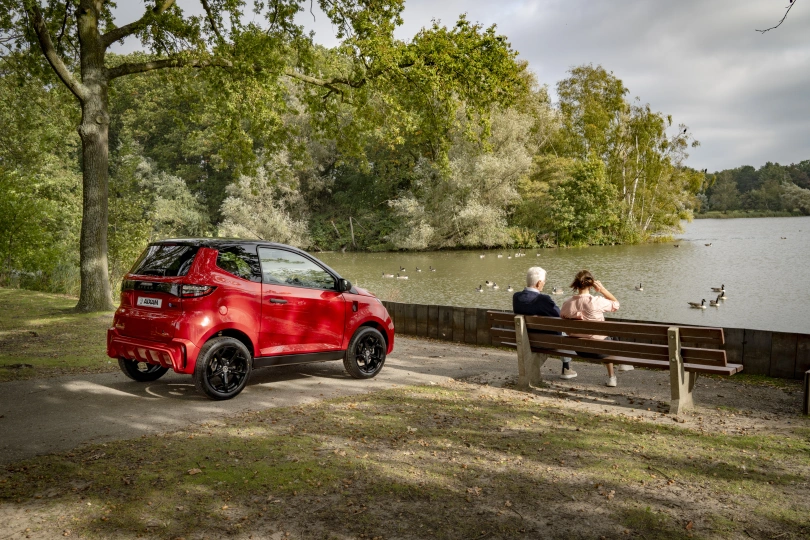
[[454, 461], [41, 335]]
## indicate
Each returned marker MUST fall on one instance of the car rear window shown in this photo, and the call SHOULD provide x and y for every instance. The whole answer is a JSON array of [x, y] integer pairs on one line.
[[241, 262], [165, 260]]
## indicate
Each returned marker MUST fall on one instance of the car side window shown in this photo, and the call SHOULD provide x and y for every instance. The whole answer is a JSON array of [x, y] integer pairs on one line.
[[240, 261], [280, 267]]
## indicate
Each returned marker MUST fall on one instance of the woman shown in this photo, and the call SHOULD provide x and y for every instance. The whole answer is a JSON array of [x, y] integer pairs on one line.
[[585, 307]]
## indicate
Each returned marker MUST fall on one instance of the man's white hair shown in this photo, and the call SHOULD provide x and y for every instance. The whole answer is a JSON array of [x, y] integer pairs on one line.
[[534, 275]]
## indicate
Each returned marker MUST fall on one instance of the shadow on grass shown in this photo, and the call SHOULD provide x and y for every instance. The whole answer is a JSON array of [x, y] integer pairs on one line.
[[424, 462]]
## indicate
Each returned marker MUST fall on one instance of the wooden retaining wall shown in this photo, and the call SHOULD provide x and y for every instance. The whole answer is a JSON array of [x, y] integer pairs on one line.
[[776, 354]]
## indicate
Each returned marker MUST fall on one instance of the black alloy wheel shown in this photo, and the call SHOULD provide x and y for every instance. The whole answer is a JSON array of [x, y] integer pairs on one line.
[[223, 368], [366, 354], [141, 371]]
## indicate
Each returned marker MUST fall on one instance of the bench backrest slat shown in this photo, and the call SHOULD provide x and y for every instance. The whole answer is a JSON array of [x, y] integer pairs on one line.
[[646, 351], [642, 331]]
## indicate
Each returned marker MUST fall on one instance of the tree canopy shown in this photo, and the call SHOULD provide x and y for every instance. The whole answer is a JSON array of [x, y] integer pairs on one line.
[[245, 66]]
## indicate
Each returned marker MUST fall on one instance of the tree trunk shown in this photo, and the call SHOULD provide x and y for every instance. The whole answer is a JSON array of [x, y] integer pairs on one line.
[[95, 292]]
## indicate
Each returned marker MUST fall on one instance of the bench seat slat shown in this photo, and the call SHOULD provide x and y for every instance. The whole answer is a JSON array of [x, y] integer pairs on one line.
[[728, 369]]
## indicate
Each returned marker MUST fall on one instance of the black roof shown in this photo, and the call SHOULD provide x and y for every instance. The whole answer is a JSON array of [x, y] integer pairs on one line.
[[214, 242], [220, 242]]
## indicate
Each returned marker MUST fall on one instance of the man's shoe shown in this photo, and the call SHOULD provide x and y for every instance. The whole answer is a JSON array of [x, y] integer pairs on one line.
[[611, 381], [623, 367], [568, 373]]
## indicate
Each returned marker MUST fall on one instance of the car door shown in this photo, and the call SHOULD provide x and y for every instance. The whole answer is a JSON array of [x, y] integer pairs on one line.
[[302, 310]]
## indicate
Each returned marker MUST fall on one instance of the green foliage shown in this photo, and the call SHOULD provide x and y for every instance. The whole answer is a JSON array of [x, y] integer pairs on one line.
[[466, 203], [724, 193], [267, 206], [40, 206], [772, 189], [653, 188], [592, 107], [147, 205], [796, 199], [578, 206], [441, 141]]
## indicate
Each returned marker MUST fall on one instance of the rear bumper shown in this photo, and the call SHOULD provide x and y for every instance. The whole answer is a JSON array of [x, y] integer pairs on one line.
[[177, 354]]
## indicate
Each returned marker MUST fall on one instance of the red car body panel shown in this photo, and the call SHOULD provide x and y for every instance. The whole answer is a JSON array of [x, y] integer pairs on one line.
[[296, 320], [311, 320]]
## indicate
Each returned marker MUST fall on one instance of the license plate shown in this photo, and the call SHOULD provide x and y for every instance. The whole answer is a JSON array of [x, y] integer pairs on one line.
[[145, 301]]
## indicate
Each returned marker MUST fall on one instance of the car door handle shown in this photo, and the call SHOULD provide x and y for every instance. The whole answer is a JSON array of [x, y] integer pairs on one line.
[[277, 301]]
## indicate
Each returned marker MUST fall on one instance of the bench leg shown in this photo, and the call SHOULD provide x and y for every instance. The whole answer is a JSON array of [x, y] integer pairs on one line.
[[806, 393], [529, 363], [682, 392], [681, 382]]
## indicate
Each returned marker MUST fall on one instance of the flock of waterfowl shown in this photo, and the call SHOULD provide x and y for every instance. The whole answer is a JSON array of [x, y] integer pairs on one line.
[[494, 286], [721, 290], [402, 270], [491, 284], [500, 256]]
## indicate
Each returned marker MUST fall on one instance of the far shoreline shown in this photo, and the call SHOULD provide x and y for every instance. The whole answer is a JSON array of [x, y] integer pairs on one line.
[[734, 214]]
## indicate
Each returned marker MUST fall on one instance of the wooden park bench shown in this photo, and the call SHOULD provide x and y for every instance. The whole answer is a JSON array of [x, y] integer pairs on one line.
[[683, 350]]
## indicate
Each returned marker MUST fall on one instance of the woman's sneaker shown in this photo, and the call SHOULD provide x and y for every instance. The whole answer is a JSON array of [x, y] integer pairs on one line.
[[568, 373], [624, 367], [611, 381]]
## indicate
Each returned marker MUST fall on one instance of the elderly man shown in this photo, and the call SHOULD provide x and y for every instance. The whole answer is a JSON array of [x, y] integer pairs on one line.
[[531, 301]]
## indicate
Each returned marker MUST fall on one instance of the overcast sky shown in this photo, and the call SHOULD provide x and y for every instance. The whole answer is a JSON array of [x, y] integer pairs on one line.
[[744, 95]]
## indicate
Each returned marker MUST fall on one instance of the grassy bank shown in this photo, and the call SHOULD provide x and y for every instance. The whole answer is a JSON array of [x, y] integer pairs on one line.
[[731, 214], [454, 461], [41, 336]]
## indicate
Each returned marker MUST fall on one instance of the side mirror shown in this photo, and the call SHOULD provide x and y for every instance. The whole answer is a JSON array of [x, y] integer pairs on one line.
[[344, 285]]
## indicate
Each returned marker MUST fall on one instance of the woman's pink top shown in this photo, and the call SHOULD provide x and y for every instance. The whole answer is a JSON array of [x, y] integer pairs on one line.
[[586, 307]]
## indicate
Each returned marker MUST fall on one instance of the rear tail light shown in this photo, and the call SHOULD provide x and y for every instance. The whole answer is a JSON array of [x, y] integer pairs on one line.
[[194, 291]]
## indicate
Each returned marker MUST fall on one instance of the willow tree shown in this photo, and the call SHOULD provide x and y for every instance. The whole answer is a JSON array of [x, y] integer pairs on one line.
[[465, 63]]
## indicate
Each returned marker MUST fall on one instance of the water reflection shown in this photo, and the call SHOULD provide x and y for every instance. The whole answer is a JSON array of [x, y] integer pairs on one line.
[[763, 274]]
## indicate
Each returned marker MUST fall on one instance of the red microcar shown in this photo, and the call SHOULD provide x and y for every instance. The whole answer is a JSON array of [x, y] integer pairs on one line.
[[217, 308]]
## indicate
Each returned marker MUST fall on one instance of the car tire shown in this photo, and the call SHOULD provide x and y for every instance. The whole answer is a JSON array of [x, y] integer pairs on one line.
[[223, 368], [365, 356], [141, 371]]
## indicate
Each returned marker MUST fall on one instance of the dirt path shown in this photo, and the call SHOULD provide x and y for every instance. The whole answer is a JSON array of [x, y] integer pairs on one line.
[[52, 415]]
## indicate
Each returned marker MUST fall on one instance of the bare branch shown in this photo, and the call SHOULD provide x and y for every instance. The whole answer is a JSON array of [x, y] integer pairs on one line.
[[129, 68], [45, 43], [792, 3], [333, 85], [209, 14], [64, 25], [123, 31]]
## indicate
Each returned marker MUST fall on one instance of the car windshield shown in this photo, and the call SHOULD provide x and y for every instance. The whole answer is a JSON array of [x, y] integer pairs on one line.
[[165, 260]]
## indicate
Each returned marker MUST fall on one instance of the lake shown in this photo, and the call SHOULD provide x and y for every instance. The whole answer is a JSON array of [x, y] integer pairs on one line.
[[764, 264]]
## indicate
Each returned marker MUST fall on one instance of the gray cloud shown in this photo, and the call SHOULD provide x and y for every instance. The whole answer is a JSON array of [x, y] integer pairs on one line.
[[743, 94]]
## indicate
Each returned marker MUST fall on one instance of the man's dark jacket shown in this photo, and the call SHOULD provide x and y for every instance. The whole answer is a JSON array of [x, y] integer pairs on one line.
[[535, 303]]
